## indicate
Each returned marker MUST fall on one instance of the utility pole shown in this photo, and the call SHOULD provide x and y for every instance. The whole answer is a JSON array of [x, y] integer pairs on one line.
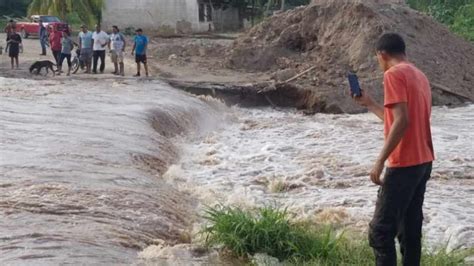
[[282, 5]]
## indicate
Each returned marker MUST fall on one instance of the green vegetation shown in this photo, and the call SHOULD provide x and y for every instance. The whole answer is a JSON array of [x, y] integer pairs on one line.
[[89, 11], [458, 15], [14, 8], [268, 230]]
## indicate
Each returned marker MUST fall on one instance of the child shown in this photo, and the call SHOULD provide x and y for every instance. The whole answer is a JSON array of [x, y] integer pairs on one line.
[[139, 49], [14, 43], [67, 45], [8, 31]]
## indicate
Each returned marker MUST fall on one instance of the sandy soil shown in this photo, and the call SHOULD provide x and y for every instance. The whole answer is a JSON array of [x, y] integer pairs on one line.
[[335, 37], [197, 60], [31, 51], [188, 68]]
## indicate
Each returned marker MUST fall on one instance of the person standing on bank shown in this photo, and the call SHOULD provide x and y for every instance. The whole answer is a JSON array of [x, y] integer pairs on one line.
[[409, 150], [85, 46], [139, 50], [14, 42], [67, 45], [8, 31], [55, 43], [43, 37], [100, 39], [117, 46]]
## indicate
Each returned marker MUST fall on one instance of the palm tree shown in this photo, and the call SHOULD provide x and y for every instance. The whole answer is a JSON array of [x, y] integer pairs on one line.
[[89, 11]]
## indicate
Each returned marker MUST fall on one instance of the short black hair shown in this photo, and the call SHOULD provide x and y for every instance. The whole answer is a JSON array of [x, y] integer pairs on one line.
[[115, 27], [139, 30], [392, 44]]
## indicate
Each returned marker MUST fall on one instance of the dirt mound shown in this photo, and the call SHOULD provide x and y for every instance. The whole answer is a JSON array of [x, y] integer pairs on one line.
[[338, 36]]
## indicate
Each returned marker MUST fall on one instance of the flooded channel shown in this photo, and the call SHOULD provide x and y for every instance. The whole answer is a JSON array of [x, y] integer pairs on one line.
[[94, 171], [80, 168]]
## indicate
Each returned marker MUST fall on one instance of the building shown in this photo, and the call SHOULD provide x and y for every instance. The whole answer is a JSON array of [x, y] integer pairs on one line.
[[179, 16]]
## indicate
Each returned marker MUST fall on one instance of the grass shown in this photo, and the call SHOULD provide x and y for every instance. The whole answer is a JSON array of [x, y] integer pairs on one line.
[[267, 230], [3, 23]]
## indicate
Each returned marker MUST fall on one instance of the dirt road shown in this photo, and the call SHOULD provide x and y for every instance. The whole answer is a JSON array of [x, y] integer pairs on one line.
[[31, 51]]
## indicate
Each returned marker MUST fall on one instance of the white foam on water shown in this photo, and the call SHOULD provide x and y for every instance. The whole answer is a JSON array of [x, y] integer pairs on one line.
[[317, 167]]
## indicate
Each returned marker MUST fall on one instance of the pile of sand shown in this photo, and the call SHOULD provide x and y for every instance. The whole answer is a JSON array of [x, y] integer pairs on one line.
[[338, 36]]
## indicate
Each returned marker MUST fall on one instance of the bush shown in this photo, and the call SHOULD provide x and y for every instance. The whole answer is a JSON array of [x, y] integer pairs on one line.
[[463, 22], [458, 15], [270, 231]]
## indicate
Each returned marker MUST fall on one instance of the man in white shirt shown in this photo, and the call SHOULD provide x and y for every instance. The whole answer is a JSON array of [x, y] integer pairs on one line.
[[117, 48], [100, 39]]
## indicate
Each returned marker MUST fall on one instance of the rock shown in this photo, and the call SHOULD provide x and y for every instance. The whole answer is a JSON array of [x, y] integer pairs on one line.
[[172, 57], [285, 74], [261, 259]]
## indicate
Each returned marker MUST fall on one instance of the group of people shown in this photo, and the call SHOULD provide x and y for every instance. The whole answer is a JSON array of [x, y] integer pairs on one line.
[[14, 43], [92, 47]]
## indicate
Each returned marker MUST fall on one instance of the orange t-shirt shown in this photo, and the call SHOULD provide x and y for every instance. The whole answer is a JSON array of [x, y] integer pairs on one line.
[[406, 83]]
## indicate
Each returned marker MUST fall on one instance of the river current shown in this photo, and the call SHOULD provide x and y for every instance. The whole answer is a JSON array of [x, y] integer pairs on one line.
[[95, 171]]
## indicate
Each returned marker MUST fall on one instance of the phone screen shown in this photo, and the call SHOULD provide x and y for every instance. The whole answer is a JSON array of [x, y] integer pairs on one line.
[[354, 84]]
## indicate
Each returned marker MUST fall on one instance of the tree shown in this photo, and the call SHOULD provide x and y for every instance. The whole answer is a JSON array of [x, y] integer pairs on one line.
[[89, 11], [15, 8]]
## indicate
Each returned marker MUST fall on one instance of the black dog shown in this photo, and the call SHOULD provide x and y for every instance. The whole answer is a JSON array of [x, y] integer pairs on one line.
[[38, 65]]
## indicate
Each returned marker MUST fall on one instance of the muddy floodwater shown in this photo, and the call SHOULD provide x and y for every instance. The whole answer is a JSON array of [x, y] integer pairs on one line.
[[95, 171]]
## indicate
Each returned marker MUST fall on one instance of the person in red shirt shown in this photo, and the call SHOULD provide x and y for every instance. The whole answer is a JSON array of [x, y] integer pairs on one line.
[[55, 43], [408, 150]]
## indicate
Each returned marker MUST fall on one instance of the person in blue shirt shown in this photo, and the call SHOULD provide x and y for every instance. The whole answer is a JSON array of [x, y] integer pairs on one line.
[[139, 50], [85, 46]]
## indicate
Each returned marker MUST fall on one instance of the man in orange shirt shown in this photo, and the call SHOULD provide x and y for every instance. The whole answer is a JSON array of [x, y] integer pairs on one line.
[[408, 149]]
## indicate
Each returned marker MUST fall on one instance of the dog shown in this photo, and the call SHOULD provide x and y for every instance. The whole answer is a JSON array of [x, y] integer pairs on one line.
[[38, 65]]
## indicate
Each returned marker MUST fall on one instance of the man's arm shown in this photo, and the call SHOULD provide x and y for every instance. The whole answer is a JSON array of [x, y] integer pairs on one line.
[[134, 46], [374, 107], [107, 38], [146, 44], [377, 109], [124, 43], [397, 131]]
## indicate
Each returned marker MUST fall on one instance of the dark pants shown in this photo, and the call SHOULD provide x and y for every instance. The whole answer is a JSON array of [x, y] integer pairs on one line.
[[97, 55], [399, 213], [44, 42], [56, 55], [65, 56]]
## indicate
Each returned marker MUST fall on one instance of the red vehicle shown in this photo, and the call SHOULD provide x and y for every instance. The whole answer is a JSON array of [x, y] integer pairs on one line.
[[31, 28]]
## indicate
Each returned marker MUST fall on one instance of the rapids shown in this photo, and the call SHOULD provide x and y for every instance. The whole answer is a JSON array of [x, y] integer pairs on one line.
[[95, 171], [80, 168]]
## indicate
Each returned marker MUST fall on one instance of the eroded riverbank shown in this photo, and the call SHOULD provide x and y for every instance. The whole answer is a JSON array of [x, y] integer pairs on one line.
[[94, 171], [81, 165]]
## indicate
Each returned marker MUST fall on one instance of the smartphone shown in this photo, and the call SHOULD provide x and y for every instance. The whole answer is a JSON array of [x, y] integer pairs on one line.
[[354, 83]]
